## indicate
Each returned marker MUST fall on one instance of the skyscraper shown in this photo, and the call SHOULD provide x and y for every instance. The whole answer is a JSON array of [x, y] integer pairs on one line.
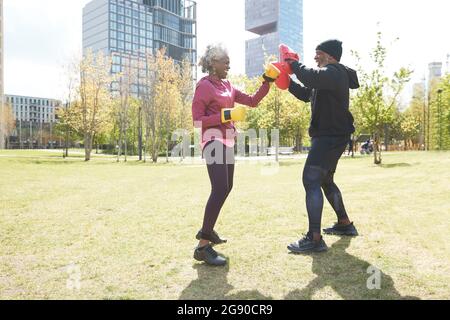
[[435, 70], [127, 29], [2, 123], [276, 22]]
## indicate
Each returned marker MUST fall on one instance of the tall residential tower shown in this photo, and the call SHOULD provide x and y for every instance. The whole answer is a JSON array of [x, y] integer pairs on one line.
[[276, 22]]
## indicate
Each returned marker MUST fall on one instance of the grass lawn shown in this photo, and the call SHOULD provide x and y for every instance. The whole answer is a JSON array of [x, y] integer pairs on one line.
[[126, 231]]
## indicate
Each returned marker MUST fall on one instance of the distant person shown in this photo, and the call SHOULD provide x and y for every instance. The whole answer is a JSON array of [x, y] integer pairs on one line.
[[327, 88], [214, 111], [350, 146]]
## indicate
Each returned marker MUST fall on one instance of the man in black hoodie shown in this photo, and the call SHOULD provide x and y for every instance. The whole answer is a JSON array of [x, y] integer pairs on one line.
[[327, 88]]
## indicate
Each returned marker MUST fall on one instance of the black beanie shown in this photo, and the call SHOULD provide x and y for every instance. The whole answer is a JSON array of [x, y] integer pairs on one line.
[[332, 47]]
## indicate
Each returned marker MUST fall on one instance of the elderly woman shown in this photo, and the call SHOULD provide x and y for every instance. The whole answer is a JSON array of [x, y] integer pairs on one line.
[[214, 111]]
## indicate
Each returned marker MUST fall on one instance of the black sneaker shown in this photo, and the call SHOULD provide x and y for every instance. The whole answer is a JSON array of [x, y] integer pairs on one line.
[[308, 245], [342, 230], [213, 237], [209, 255]]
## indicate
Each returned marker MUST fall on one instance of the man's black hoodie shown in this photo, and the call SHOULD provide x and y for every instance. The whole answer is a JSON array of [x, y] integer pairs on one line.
[[328, 91]]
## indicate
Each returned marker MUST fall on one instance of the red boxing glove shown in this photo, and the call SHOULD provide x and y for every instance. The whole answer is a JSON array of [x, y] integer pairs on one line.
[[287, 53]]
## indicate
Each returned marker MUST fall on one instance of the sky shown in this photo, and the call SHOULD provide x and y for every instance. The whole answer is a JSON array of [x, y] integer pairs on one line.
[[41, 36]]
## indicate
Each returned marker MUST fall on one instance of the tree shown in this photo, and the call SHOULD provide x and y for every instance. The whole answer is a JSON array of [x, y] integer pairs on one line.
[[63, 126], [2, 124], [160, 102], [439, 113], [375, 102], [410, 127], [186, 88], [122, 110], [8, 124], [90, 111]]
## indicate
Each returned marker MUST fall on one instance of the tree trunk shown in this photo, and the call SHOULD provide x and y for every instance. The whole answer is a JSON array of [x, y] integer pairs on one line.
[[167, 149], [140, 133], [87, 147], [154, 156], [155, 151], [377, 150], [66, 152], [119, 145], [126, 147]]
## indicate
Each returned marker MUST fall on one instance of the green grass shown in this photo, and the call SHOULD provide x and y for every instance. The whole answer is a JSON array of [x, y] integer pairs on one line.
[[130, 230]]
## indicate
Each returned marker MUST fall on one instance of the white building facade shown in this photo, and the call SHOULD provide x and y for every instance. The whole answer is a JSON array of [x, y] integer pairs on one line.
[[33, 109]]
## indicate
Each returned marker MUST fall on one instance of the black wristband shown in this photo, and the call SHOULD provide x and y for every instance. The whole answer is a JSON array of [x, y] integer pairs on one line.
[[227, 115], [268, 79]]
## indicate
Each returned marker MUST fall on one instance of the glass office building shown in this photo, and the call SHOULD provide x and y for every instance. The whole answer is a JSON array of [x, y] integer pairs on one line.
[[276, 22], [128, 29]]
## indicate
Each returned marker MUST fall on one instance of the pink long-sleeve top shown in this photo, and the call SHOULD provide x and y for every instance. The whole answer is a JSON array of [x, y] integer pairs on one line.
[[211, 96]]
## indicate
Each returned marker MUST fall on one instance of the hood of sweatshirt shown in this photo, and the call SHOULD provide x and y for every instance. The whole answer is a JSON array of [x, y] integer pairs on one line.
[[353, 81], [352, 77]]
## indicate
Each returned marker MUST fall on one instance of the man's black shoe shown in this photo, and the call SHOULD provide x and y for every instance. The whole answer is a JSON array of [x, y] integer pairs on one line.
[[213, 237], [209, 255], [342, 230], [308, 245]]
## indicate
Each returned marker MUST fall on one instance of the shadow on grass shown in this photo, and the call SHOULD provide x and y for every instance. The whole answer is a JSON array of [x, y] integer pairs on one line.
[[347, 275], [395, 165], [212, 284], [292, 163]]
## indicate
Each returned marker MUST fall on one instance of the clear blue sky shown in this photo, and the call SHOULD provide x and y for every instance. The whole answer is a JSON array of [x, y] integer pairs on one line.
[[41, 35]]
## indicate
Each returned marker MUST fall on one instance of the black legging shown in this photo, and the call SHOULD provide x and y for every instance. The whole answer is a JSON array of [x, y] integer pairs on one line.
[[314, 179], [221, 173]]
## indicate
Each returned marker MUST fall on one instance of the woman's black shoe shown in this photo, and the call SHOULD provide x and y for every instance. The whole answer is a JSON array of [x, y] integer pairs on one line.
[[308, 245], [213, 237], [209, 255], [342, 230]]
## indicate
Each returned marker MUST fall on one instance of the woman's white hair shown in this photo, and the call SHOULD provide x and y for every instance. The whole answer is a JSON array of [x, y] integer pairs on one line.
[[213, 52]]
